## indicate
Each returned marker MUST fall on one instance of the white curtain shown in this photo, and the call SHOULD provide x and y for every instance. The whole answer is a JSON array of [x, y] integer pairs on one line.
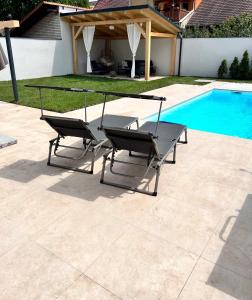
[[134, 35], [3, 59], [88, 37]]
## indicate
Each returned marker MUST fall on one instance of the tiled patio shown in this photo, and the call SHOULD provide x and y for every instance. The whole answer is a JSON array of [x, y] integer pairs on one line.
[[65, 236]]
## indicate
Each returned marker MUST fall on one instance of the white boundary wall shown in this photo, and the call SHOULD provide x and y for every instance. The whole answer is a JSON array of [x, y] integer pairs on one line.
[[43, 58], [36, 58], [202, 57]]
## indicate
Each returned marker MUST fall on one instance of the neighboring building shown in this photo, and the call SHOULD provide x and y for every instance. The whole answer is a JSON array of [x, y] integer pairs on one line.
[[176, 10], [43, 22], [92, 3], [214, 12]]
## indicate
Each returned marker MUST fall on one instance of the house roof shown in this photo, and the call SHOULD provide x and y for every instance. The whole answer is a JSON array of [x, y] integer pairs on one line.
[[39, 12], [212, 12], [111, 3], [119, 17]]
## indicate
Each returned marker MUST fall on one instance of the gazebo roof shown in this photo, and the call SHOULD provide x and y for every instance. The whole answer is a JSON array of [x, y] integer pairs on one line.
[[110, 22]]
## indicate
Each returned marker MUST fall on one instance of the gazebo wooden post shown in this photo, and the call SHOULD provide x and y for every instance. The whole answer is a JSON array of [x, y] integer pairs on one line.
[[147, 50], [75, 52], [173, 56]]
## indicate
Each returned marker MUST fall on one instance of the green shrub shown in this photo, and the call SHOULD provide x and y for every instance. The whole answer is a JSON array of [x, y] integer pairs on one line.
[[234, 69], [223, 69], [245, 66], [250, 72]]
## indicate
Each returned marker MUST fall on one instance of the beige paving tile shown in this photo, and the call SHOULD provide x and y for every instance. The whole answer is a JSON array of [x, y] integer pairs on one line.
[[33, 211], [86, 289], [181, 223], [31, 272], [10, 235], [82, 236], [141, 266], [231, 245], [83, 222], [205, 193], [211, 282], [213, 171]]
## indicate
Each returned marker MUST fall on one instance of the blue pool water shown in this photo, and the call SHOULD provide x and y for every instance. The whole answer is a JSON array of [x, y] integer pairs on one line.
[[219, 111]]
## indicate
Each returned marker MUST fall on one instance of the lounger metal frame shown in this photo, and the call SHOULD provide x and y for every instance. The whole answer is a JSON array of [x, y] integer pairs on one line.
[[90, 145], [153, 162]]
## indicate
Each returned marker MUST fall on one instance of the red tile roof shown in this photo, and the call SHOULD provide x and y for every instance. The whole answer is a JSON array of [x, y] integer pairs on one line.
[[101, 4], [212, 12]]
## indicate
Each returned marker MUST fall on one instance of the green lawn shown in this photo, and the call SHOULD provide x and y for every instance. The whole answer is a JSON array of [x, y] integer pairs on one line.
[[65, 101]]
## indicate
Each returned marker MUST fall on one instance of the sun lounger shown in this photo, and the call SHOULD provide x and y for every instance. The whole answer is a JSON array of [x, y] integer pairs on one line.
[[150, 142], [93, 138]]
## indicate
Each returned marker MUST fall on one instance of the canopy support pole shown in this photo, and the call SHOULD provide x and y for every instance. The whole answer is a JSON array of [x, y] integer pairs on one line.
[[11, 62]]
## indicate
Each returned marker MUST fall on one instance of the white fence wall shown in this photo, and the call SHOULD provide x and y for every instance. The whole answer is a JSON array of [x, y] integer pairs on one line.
[[202, 57], [42, 58], [36, 58]]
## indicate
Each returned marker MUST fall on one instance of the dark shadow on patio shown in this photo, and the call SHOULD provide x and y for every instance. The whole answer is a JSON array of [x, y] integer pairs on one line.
[[236, 255], [89, 188], [75, 184]]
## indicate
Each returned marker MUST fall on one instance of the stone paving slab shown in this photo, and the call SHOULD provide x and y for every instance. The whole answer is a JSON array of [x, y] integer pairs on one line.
[[63, 235]]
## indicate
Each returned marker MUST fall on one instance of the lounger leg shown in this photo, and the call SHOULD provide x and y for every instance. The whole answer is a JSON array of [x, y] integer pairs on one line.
[[156, 181], [174, 154], [186, 138], [51, 143], [103, 168], [92, 162], [137, 123]]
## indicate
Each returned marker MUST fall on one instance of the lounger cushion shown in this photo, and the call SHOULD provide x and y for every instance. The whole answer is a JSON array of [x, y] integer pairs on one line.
[[167, 134], [78, 128], [69, 127], [131, 140], [166, 130]]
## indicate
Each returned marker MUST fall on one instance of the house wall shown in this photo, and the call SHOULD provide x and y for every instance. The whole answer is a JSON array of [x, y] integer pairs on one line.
[[202, 57], [197, 3], [36, 58]]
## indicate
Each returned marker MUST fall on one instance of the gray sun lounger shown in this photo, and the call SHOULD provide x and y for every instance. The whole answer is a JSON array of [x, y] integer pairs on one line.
[[150, 142], [93, 138]]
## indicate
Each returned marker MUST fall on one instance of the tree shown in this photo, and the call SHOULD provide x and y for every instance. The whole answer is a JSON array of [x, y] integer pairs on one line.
[[235, 26], [245, 66], [19, 8], [234, 69], [223, 69]]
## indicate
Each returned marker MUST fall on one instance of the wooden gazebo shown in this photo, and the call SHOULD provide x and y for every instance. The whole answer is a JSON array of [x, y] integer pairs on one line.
[[151, 23]]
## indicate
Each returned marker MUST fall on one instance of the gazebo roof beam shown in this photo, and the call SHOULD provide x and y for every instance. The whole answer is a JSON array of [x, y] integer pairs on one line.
[[111, 22]]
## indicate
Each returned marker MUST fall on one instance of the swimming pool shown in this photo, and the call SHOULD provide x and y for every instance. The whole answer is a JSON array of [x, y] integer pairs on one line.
[[218, 111]]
